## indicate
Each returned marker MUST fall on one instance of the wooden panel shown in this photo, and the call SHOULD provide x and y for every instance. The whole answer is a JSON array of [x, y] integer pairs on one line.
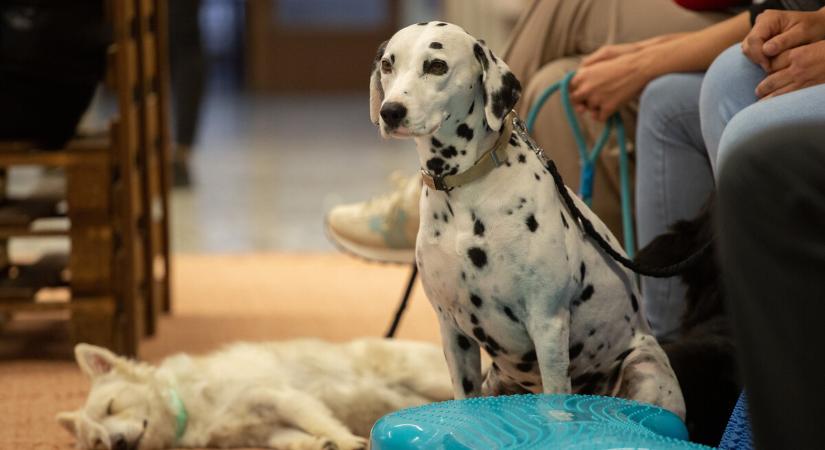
[[297, 59]]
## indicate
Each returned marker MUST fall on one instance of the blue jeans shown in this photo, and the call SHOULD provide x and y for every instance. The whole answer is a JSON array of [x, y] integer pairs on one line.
[[689, 124]]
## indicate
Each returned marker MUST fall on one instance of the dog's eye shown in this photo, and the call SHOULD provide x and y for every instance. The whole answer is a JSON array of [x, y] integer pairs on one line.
[[435, 67], [386, 66]]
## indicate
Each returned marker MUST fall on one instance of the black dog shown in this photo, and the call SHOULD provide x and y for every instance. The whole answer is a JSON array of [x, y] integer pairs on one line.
[[704, 356]]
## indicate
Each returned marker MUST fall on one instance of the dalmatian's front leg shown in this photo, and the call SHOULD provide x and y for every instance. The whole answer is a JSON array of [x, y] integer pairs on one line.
[[550, 333], [463, 358]]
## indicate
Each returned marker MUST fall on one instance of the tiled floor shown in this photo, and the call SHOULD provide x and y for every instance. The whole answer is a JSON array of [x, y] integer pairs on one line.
[[267, 168]]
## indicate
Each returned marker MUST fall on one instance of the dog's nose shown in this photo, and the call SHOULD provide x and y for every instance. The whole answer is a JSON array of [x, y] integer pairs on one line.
[[119, 442], [393, 113]]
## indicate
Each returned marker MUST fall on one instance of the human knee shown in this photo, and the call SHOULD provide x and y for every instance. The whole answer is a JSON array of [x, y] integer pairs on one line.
[[668, 98], [728, 86]]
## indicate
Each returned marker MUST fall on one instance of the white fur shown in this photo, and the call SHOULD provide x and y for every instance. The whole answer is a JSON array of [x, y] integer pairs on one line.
[[502, 260], [301, 394]]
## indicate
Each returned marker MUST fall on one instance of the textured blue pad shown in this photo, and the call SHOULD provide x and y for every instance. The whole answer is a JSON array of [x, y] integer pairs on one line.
[[580, 422], [738, 432]]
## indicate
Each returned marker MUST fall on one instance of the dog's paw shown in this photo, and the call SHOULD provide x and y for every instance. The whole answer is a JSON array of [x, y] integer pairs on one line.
[[347, 443]]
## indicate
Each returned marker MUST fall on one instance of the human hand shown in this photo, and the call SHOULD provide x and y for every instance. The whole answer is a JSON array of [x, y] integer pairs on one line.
[[607, 52], [603, 87], [775, 32], [794, 69]]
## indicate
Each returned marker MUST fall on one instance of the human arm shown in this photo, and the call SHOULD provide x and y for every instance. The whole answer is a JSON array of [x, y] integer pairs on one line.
[[602, 87]]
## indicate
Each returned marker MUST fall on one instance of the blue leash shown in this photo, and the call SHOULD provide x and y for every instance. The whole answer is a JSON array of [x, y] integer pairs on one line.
[[589, 158]]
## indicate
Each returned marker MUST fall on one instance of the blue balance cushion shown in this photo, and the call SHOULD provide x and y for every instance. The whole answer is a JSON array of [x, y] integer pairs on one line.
[[580, 422]]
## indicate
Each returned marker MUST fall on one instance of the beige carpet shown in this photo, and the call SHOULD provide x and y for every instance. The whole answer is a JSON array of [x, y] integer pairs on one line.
[[218, 299]]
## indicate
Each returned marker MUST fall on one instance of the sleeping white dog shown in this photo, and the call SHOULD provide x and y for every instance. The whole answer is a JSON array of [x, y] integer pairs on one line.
[[301, 394]]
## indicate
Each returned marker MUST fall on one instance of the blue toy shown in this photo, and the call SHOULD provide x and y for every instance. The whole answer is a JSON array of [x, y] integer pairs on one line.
[[580, 422]]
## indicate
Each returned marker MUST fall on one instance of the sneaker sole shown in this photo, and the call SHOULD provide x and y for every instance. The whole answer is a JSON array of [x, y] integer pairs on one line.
[[373, 254]]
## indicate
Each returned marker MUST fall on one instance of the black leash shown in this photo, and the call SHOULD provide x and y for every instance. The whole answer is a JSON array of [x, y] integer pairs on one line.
[[590, 230]]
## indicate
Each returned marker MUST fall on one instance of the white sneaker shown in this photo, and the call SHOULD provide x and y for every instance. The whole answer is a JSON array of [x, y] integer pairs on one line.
[[383, 228]]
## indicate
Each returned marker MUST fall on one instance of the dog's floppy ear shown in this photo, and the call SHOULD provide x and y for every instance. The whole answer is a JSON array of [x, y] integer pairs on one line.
[[68, 420], [376, 91], [95, 361], [501, 88]]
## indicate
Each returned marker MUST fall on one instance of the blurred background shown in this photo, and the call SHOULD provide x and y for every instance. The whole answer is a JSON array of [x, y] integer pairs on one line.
[[165, 171], [283, 130]]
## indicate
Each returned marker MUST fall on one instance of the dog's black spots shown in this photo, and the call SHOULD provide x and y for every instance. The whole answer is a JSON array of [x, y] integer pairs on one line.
[[478, 228], [538, 178], [450, 208], [436, 143], [587, 382], [436, 45], [529, 356], [564, 223], [453, 171], [510, 315], [524, 366], [463, 276], [532, 225], [506, 97], [449, 152], [490, 350], [467, 385], [587, 293], [627, 319], [426, 192], [591, 332], [582, 267], [476, 300], [432, 150], [477, 256], [494, 344], [464, 152], [521, 158], [623, 354], [441, 24], [522, 200], [576, 303], [576, 349], [435, 216], [509, 212], [464, 131], [600, 347], [479, 333], [634, 302], [472, 106], [507, 163], [478, 51], [473, 319], [513, 141], [463, 342], [435, 165], [422, 23], [444, 216], [437, 233]]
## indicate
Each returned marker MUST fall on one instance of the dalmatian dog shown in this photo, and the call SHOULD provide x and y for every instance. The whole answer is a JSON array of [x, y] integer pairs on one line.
[[503, 262]]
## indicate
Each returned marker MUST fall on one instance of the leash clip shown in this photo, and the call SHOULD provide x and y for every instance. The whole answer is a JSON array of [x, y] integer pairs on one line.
[[434, 182]]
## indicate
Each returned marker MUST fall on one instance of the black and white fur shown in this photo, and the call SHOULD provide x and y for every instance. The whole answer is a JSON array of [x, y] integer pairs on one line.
[[503, 263], [703, 356]]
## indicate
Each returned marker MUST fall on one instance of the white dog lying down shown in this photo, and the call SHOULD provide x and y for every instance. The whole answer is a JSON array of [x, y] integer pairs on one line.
[[301, 394]]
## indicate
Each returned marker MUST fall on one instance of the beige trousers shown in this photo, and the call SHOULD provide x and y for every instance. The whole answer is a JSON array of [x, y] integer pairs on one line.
[[550, 39]]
